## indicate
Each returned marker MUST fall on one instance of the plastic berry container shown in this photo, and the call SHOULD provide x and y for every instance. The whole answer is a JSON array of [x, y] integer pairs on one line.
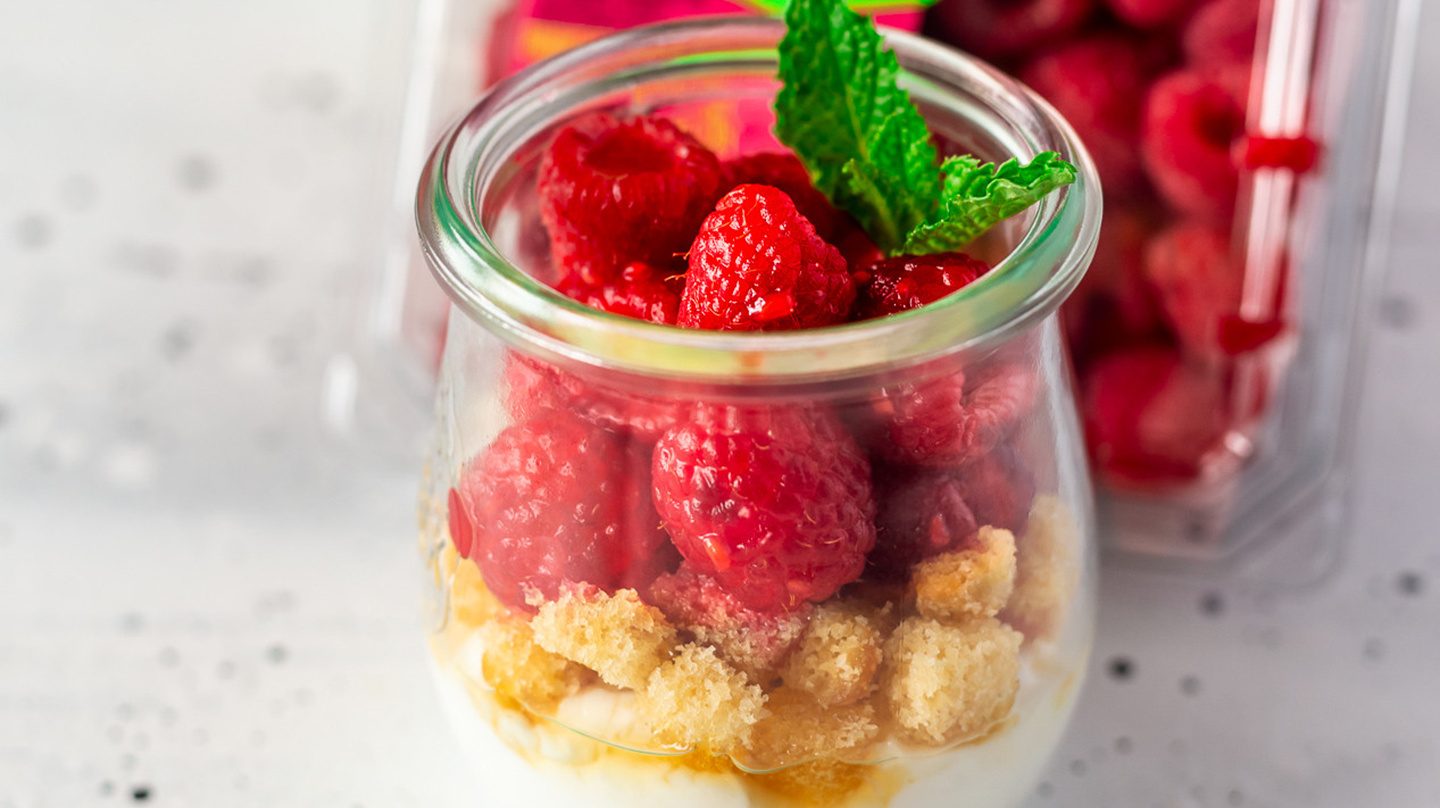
[[845, 566], [1245, 147]]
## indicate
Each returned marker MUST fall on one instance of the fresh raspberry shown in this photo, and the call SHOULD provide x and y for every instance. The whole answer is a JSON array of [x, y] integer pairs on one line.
[[754, 639], [786, 172], [1149, 416], [1197, 282], [758, 265], [640, 291], [1191, 121], [552, 501], [1295, 154], [1222, 32], [775, 502], [997, 28], [1150, 13], [1098, 83], [614, 191], [531, 386], [921, 513], [957, 417], [908, 282], [999, 488], [1114, 304]]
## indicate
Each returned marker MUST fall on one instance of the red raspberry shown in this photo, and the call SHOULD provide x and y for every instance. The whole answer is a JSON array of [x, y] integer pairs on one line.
[[1191, 122], [640, 291], [1098, 83], [922, 513], [532, 386], [1114, 304], [995, 28], [1149, 416], [758, 265], [614, 191], [555, 501], [754, 640], [775, 503], [786, 172], [1150, 13], [999, 488], [1197, 282], [955, 418], [1222, 32], [908, 282]]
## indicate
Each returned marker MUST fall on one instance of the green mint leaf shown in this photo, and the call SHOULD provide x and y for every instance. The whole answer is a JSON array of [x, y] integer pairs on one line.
[[976, 196], [842, 112]]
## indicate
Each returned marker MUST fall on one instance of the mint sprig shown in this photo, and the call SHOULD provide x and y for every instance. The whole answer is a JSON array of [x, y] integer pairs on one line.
[[843, 113]]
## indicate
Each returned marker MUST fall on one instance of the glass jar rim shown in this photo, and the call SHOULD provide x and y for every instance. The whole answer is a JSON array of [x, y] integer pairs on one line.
[[1027, 285]]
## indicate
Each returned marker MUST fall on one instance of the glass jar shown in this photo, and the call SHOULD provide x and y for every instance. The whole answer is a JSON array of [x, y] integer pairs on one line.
[[848, 566]]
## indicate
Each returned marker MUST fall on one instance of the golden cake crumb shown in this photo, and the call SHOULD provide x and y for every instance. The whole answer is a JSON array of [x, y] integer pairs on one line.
[[946, 682], [617, 636], [697, 698], [471, 602], [1045, 574], [799, 729], [969, 583], [837, 658], [520, 670]]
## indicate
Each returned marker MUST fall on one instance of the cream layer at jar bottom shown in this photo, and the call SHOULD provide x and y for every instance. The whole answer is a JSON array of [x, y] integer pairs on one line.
[[537, 763]]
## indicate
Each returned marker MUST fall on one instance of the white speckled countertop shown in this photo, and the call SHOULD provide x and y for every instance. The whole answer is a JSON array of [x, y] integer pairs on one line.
[[206, 600]]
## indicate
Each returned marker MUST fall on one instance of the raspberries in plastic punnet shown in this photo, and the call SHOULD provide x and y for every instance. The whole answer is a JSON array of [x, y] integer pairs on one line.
[[554, 501], [786, 172], [908, 282], [758, 265], [1114, 304], [955, 418], [1149, 416], [1222, 32], [997, 28], [1192, 119], [532, 386], [1098, 83], [1197, 283], [1151, 13], [640, 291], [774, 502], [614, 191]]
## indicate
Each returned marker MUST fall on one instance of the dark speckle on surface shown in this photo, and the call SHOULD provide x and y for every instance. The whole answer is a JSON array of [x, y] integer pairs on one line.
[[1374, 648], [1123, 745], [33, 231], [225, 670], [169, 657], [1077, 767], [1397, 312], [196, 173], [276, 654], [1410, 583], [1212, 604], [1121, 669], [177, 341], [1190, 685], [132, 623], [106, 788], [317, 92], [1045, 790], [140, 793], [1235, 797]]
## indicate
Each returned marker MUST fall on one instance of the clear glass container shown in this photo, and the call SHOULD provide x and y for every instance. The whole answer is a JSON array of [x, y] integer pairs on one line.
[[1243, 145], [848, 566]]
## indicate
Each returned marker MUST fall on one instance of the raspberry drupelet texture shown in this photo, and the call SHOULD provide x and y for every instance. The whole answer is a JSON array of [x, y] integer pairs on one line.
[[1198, 284], [553, 501], [1192, 120], [786, 172], [614, 191], [1000, 28], [754, 641], [1222, 32], [533, 386], [921, 513], [759, 265], [640, 290], [775, 502], [956, 417], [908, 282]]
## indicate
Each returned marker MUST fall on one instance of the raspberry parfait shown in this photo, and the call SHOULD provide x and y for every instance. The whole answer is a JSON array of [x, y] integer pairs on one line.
[[757, 478]]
